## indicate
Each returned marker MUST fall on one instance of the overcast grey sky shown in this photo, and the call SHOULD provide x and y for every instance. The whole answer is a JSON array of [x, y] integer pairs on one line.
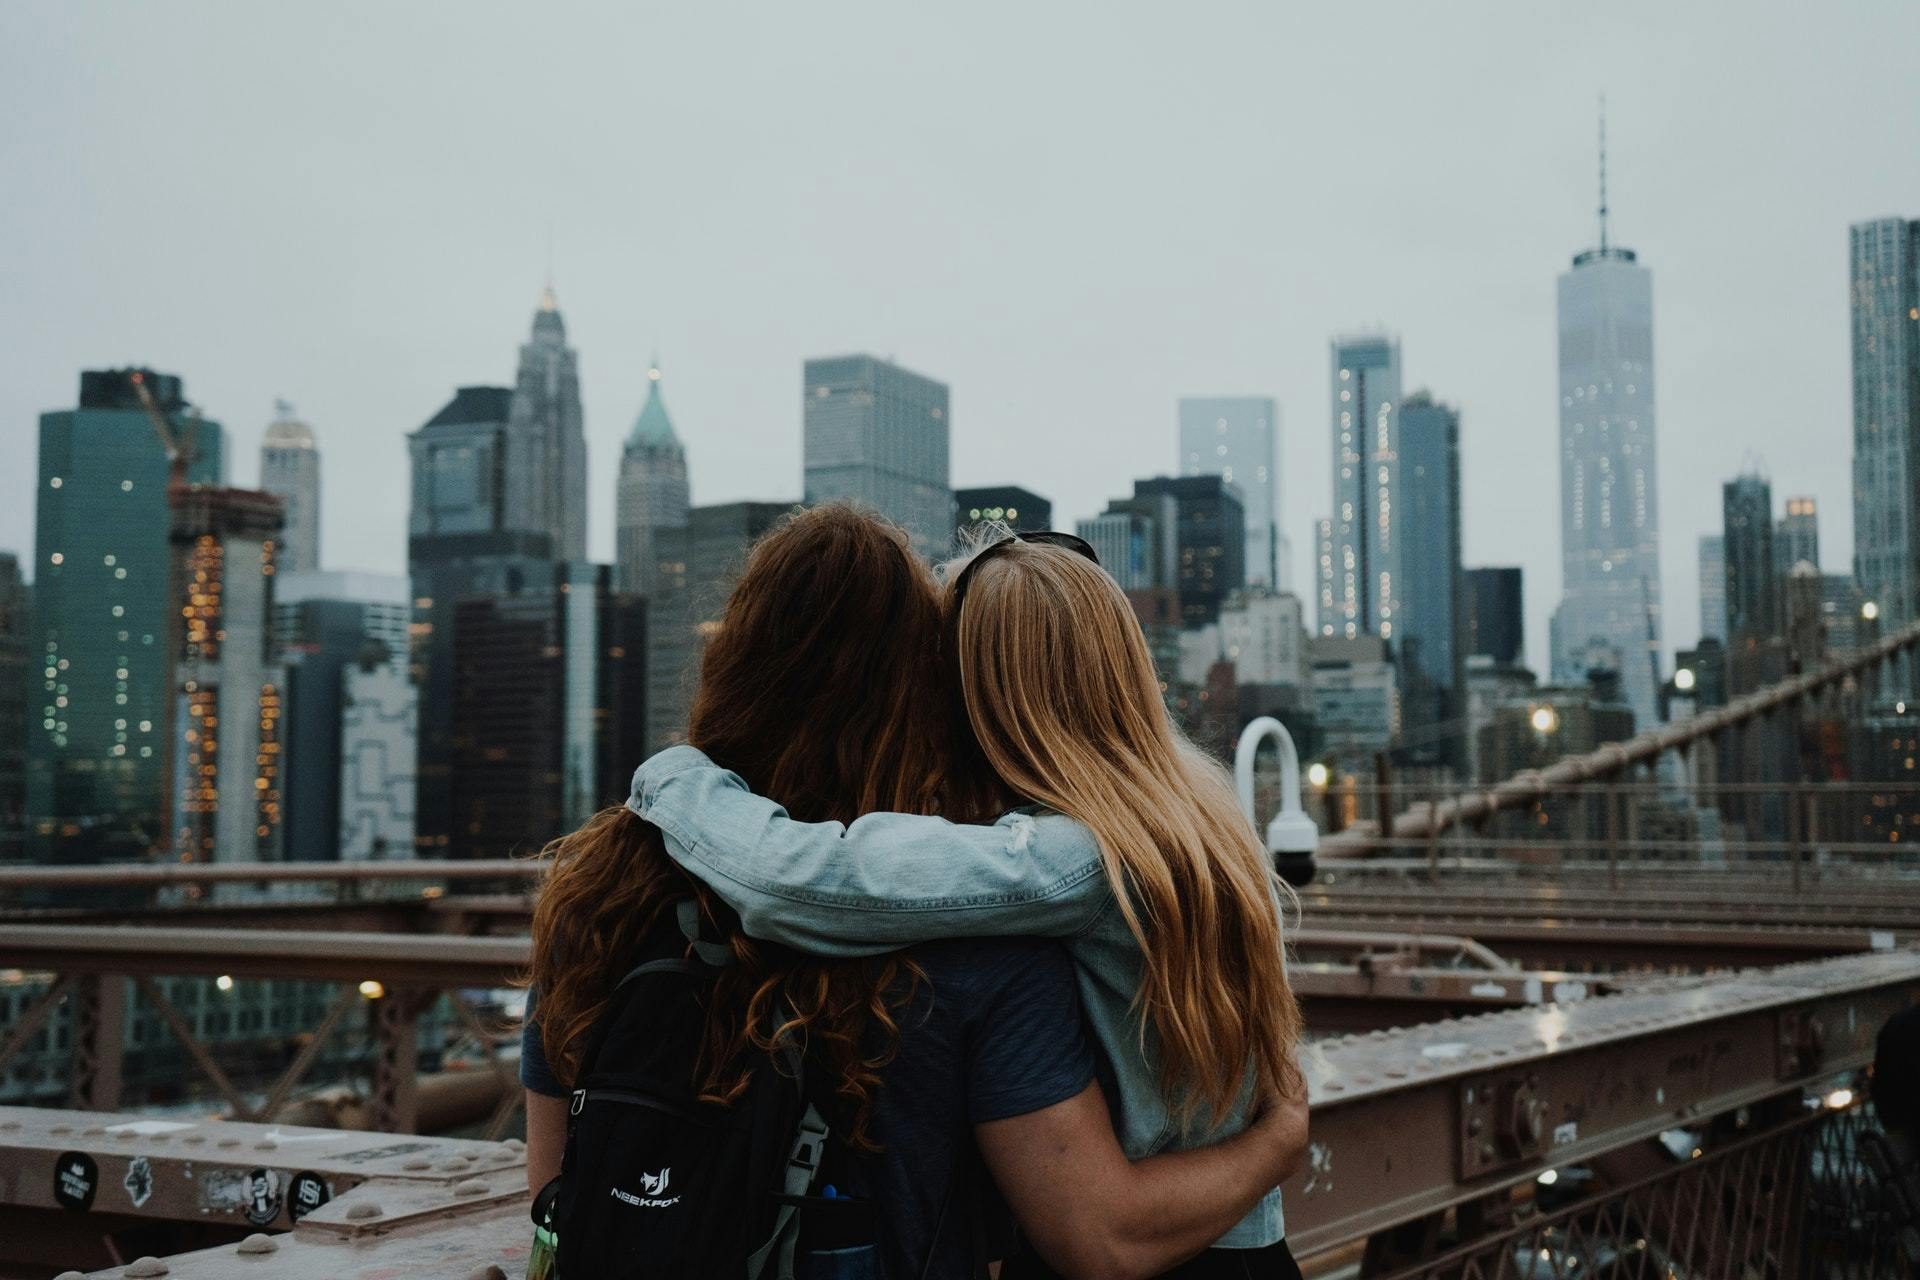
[[1073, 214]]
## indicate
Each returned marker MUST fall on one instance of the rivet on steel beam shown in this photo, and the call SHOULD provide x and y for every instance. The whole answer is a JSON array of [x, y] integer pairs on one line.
[[228, 1142], [70, 1275], [454, 1165], [61, 1128], [365, 1209], [471, 1187], [258, 1242], [266, 1144], [93, 1131], [417, 1164], [194, 1139], [488, 1272], [11, 1124], [147, 1266], [514, 1145]]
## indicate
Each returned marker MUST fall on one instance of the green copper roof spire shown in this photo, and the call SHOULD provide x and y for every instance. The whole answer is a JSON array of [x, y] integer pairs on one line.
[[653, 426]]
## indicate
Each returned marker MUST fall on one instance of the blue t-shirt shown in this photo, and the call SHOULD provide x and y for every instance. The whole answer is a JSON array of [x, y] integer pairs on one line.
[[994, 1032]]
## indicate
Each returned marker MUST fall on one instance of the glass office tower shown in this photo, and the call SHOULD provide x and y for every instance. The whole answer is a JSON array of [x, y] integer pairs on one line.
[[100, 704], [878, 434], [1236, 438]]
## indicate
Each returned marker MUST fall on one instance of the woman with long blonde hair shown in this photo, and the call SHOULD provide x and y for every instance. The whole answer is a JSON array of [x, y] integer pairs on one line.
[[1132, 850]]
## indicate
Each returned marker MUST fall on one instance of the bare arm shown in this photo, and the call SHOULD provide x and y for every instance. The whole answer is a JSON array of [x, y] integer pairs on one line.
[[1121, 1219], [546, 1138]]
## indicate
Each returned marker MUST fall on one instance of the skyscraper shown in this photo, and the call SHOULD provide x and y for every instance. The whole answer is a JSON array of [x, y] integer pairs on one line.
[[715, 545], [228, 737], [652, 498], [1884, 286], [1210, 542], [98, 723], [1609, 501], [16, 624], [1429, 618], [290, 471], [878, 434], [1236, 438], [1125, 541], [462, 543], [1364, 568], [332, 629], [546, 709], [546, 467], [1713, 587], [1796, 536], [1753, 588], [1496, 622]]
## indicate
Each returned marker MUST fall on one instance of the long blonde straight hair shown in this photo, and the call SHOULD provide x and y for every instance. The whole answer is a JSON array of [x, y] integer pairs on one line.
[[1065, 706]]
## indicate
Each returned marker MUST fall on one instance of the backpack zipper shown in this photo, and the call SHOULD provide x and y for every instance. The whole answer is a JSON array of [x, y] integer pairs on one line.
[[627, 1097]]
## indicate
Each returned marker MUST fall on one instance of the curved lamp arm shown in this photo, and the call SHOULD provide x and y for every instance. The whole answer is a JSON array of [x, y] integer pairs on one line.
[[1291, 836]]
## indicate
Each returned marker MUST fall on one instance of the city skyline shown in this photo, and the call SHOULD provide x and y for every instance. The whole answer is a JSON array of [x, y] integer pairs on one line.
[[1464, 275]]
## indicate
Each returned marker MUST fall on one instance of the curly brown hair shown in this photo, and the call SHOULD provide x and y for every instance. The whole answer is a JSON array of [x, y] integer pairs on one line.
[[824, 688]]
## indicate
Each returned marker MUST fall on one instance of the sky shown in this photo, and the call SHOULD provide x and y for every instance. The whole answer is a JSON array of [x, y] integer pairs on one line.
[[1072, 214]]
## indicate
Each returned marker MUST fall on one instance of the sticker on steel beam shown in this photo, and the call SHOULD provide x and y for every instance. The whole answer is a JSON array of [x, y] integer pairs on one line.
[[223, 1191], [263, 1197], [75, 1180], [307, 1192], [139, 1180]]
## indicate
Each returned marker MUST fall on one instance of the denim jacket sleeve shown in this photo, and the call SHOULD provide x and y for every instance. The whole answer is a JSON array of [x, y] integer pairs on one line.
[[886, 881]]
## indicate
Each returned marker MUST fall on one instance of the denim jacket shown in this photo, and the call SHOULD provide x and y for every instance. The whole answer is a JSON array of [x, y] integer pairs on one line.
[[889, 880]]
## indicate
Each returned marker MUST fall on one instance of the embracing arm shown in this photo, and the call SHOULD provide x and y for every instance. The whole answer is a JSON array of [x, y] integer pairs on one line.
[[1091, 1213], [887, 880]]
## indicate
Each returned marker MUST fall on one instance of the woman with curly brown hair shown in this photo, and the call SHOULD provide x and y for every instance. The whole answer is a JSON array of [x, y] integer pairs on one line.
[[824, 685]]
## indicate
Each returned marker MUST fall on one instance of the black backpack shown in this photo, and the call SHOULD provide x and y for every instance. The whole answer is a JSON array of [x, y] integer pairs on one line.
[[655, 1182]]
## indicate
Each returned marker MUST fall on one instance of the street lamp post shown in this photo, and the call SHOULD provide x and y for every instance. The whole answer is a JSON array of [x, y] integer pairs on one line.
[[1291, 836]]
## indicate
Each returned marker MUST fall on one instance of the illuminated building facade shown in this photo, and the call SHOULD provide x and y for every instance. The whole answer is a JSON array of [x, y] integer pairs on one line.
[[100, 695], [1360, 578], [1021, 510], [228, 739]]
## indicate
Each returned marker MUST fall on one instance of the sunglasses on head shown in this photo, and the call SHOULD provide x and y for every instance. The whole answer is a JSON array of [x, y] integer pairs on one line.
[[1045, 538]]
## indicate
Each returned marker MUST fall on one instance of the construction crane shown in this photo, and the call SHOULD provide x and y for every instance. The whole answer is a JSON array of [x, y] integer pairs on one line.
[[177, 445]]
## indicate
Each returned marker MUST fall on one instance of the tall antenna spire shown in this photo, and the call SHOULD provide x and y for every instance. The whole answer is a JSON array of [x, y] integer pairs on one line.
[[1603, 174], [547, 301]]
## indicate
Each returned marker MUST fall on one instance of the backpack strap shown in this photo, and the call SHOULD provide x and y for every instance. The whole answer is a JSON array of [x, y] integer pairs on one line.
[[803, 1165], [715, 954]]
